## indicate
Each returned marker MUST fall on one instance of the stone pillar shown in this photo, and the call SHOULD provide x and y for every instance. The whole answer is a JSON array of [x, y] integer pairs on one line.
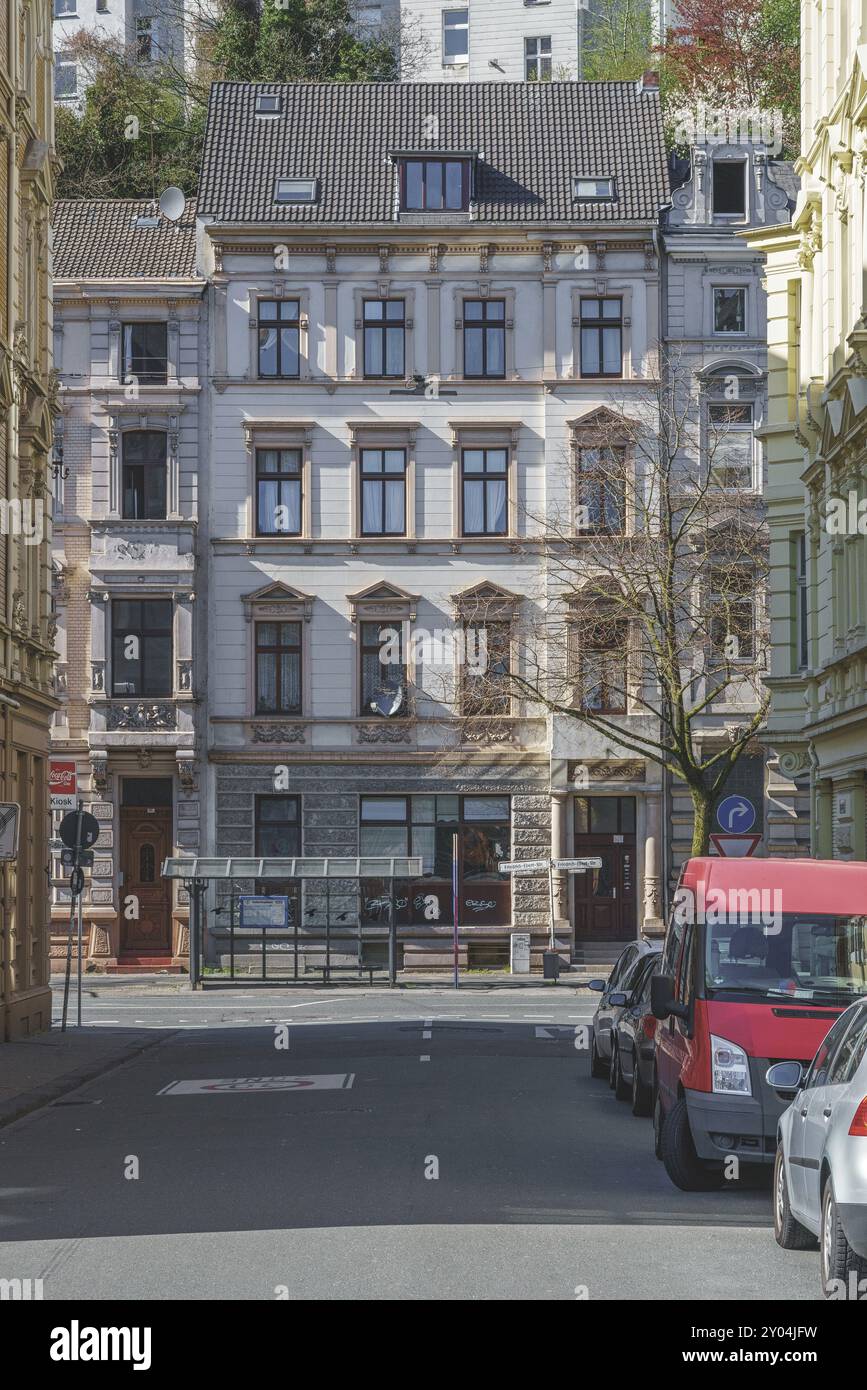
[[823, 824], [549, 330], [332, 364], [653, 923], [562, 923]]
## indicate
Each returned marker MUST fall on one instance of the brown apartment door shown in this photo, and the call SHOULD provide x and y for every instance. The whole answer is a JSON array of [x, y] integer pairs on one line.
[[605, 897], [145, 842]]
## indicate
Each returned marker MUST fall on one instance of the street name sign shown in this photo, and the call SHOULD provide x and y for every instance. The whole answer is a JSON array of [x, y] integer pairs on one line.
[[524, 866], [575, 866]]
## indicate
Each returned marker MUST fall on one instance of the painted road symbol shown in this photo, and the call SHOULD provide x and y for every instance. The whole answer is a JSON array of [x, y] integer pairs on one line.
[[228, 1085]]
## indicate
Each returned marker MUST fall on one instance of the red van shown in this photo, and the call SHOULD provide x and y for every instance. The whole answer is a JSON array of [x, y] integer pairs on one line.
[[760, 958]]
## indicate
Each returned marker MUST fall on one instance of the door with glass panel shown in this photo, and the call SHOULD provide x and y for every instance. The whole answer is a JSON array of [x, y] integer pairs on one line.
[[604, 898]]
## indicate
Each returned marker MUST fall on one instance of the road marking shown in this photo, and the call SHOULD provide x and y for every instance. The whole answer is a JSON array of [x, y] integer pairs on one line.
[[428, 1023], [231, 1085], [425, 1057]]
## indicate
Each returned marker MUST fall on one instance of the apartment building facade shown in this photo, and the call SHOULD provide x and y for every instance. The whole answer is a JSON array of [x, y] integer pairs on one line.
[[149, 31], [396, 367], [130, 353], [816, 436], [715, 314], [28, 171]]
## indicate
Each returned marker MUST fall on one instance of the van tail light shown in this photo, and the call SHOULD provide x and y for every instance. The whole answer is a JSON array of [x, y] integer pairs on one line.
[[858, 1126], [648, 1026]]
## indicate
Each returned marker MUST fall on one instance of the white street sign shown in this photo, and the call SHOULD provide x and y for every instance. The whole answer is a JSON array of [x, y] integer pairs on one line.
[[524, 866], [575, 866], [229, 1085], [9, 814]]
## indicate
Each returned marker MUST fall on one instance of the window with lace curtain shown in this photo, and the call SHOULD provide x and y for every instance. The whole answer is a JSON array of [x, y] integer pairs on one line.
[[604, 666], [278, 668]]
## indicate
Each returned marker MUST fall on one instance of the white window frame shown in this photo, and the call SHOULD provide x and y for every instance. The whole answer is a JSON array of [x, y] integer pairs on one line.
[[537, 57], [464, 59], [307, 188], [739, 429], [63, 63]]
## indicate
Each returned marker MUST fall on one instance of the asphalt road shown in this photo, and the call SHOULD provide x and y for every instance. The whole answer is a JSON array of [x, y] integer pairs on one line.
[[545, 1186]]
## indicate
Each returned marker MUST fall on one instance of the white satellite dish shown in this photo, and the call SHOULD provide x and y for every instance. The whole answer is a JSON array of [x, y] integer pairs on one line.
[[386, 701], [172, 204]]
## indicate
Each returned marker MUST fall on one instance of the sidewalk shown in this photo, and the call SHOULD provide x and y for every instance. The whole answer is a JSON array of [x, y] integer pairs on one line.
[[36, 1071]]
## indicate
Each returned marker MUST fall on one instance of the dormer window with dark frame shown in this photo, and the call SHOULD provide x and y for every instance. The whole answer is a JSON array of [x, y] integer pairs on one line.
[[434, 185], [730, 187]]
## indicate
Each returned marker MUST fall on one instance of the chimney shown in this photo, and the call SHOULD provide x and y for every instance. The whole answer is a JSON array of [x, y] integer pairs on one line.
[[648, 82]]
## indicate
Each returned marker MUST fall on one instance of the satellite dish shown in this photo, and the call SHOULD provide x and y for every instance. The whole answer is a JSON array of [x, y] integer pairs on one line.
[[387, 702], [172, 204]]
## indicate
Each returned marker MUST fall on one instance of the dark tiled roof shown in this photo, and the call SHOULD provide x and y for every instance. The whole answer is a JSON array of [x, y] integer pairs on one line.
[[782, 171], [532, 139], [99, 240]]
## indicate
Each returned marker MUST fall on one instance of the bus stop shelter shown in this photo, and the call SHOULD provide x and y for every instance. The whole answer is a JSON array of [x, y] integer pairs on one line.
[[340, 911]]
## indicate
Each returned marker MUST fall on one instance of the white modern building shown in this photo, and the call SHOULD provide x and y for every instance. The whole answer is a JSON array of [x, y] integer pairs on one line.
[[151, 32]]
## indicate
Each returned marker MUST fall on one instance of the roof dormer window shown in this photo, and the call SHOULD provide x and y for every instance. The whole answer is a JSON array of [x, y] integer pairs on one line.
[[295, 191], [268, 104], [434, 185], [593, 190], [730, 187]]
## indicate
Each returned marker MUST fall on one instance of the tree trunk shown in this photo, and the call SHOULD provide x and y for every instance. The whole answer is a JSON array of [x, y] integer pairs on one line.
[[702, 807]]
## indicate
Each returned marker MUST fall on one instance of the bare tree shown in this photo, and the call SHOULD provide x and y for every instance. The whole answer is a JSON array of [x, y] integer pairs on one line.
[[651, 629]]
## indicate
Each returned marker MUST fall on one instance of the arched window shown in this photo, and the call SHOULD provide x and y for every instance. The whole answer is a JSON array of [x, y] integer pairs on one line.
[[146, 864], [144, 474]]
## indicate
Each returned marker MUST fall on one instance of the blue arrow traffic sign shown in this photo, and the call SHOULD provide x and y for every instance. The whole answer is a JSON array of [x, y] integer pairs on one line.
[[736, 814]]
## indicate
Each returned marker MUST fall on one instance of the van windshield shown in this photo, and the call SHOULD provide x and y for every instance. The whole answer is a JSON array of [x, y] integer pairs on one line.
[[800, 956]]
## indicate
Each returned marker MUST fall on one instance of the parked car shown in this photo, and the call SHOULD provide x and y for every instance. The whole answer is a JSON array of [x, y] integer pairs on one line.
[[619, 984], [633, 1046], [761, 957], [820, 1172]]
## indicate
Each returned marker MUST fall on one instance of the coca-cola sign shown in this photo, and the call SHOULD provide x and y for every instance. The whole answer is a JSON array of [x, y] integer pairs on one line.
[[62, 785]]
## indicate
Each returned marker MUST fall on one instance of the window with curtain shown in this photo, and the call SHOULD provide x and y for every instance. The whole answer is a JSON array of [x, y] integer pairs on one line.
[[383, 492], [144, 474], [733, 614], [278, 668], [278, 492], [604, 666], [141, 646], [383, 674], [279, 337], [484, 337], [384, 328], [485, 684], [485, 492], [601, 491], [601, 337]]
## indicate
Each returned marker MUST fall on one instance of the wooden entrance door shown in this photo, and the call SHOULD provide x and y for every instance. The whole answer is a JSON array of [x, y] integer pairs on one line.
[[145, 842], [605, 898]]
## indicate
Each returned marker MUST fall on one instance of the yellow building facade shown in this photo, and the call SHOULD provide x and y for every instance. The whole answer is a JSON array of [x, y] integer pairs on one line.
[[27, 698], [816, 438]]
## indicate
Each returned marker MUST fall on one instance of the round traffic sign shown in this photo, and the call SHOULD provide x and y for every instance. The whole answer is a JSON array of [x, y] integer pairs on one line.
[[69, 829], [736, 815]]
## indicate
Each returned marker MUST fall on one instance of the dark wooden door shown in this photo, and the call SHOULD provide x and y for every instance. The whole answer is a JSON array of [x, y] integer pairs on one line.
[[145, 842], [605, 898]]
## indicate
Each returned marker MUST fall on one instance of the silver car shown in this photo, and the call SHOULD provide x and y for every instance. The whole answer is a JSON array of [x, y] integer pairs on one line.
[[820, 1175]]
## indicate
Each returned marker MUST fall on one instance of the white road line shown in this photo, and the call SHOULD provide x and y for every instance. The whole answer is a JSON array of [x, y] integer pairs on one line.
[[428, 1023], [427, 1033], [425, 1057]]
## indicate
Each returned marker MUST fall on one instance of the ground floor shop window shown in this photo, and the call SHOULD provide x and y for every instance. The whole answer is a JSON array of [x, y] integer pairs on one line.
[[426, 826]]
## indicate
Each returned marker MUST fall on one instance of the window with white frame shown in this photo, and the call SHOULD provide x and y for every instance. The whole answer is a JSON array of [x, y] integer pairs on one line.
[[730, 445], [537, 59], [456, 37], [65, 76], [62, 8]]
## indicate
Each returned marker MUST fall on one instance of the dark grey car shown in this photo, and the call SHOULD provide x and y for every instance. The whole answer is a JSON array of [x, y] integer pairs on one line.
[[615, 993]]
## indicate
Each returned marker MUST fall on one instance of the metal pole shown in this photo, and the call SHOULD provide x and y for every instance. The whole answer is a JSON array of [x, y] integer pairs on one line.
[[78, 1011], [71, 919], [455, 914], [392, 935], [551, 899]]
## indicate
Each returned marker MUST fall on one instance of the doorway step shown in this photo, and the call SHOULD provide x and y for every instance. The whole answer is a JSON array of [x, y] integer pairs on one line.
[[143, 965]]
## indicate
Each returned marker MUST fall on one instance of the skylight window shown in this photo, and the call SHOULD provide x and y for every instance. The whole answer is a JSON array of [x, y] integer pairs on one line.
[[147, 219], [268, 104], [593, 189], [295, 191]]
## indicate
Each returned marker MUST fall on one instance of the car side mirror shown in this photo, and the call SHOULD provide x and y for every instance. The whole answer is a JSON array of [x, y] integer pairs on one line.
[[597, 985], [785, 1076], [618, 1000], [663, 1004]]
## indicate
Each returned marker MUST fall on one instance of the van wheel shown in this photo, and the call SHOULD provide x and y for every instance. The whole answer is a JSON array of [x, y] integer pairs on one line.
[[682, 1164], [598, 1067], [618, 1083], [642, 1096], [788, 1232], [838, 1259], [657, 1122]]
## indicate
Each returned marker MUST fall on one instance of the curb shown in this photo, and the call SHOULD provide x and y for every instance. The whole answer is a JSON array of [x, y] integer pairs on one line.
[[40, 1096]]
